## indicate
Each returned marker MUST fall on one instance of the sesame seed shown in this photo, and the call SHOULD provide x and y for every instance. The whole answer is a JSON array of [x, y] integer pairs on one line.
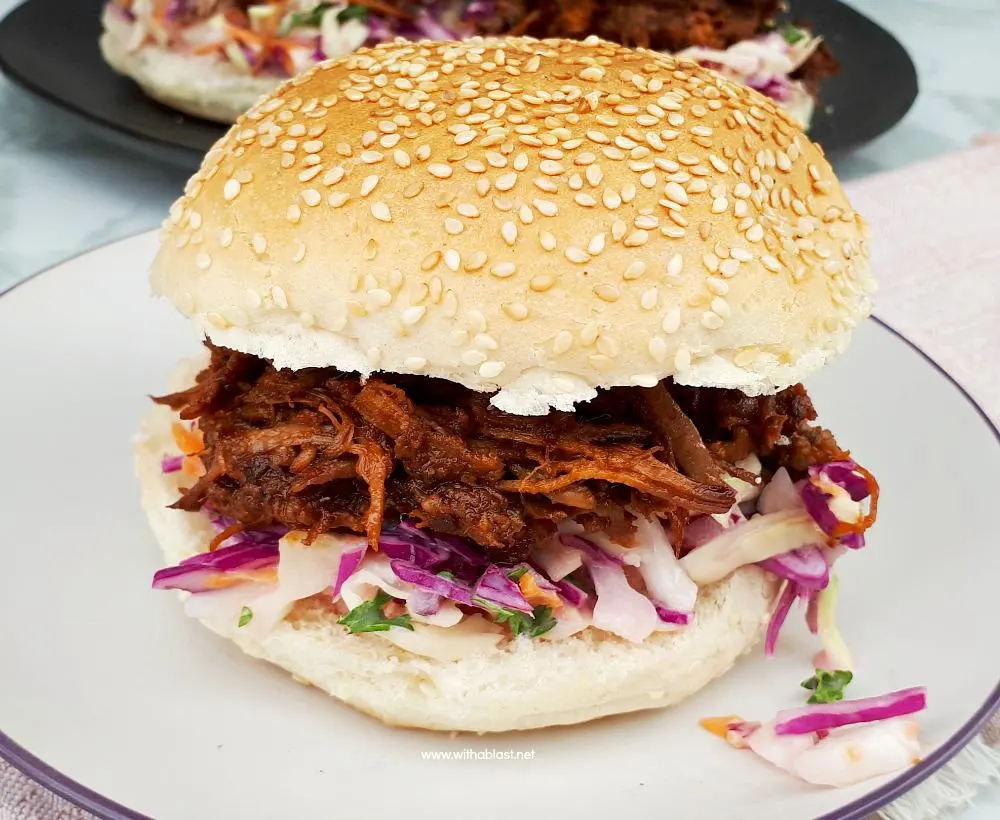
[[577, 255], [594, 175], [628, 192], [453, 226], [259, 244], [226, 237], [401, 158], [440, 170], [473, 358], [682, 359], [333, 176], [562, 342], [636, 238], [509, 232], [503, 270], [645, 380], [412, 315], [231, 190], [675, 193], [672, 321], [476, 261], [506, 181], [431, 261], [717, 286], [721, 306], [369, 183], [467, 209], [657, 348], [649, 298], [607, 293], [203, 261], [596, 244], [607, 346], [217, 320], [542, 282], [711, 320], [452, 259], [311, 197], [611, 199], [547, 240], [771, 263], [755, 233], [414, 362], [278, 297], [490, 370], [336, 199], [618, 229], [545, 207]]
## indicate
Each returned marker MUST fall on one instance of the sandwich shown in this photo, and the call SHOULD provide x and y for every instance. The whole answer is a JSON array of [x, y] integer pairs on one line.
[[500, 421], [214, 58]]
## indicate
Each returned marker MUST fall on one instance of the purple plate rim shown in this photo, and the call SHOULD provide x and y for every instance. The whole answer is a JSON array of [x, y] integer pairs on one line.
[[107, 809]]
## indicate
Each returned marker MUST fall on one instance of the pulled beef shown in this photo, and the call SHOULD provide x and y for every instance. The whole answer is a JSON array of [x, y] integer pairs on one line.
[[318, 450]]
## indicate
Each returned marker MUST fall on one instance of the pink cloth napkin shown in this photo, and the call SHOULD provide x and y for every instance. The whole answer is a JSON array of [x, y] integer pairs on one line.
[[936, 252]]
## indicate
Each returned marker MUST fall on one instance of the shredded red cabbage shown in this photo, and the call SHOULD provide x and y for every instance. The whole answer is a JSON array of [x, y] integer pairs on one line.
[[781, 611], [806, 566], [350, 560], [825, 716], [671, 616], [171, 464], [442, 585], [201, 572], [496, 588]]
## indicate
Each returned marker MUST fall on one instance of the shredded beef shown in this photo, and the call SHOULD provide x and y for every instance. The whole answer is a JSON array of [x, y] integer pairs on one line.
[[662, 25], [318, 450]]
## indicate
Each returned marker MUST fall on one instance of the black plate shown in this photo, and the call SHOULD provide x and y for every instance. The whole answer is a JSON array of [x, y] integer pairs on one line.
[[50, 48]]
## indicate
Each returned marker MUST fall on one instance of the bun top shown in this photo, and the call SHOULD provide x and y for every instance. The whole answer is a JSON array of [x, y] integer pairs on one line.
[[538, 218]]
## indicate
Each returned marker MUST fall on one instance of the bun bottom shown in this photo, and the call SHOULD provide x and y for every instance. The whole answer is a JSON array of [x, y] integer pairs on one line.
[[200, 86], [525, 685]]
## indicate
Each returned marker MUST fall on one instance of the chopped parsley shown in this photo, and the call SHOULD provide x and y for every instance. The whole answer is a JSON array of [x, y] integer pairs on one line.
[[353, 13], [314, 17], [450, 576], [827, 687], [793, 34], [368, 617], [246, 615], [538, 623], [516, 574]]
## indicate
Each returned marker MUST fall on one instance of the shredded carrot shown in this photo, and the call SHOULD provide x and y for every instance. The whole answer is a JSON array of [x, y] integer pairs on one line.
[[190, 441], [535, 595], [859, 526], [228, 532], [719, 726], [211, 48], [192, 466]]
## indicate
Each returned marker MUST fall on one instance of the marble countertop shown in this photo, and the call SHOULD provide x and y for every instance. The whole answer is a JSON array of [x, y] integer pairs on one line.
[[63, 190]]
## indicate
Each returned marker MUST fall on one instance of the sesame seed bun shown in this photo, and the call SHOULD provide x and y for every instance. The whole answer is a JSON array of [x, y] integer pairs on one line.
[[201, 86], [525, 684], [534, 218]]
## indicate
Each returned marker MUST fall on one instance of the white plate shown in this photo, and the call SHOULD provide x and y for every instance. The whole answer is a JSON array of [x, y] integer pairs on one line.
[[129, 704]]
